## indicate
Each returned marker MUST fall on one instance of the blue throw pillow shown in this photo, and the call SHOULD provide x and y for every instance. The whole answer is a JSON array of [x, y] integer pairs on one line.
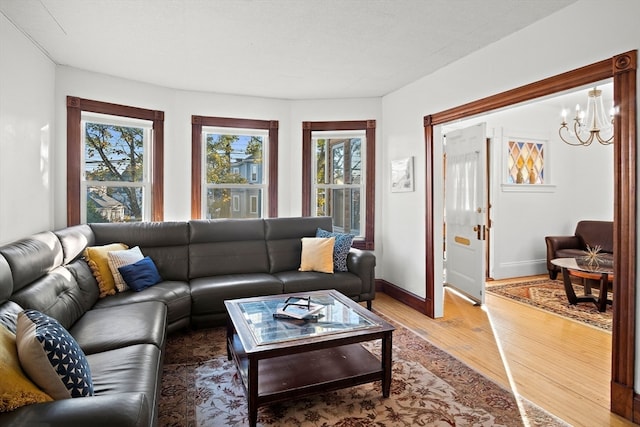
[[141, 274], [51, 356], [340, 248]]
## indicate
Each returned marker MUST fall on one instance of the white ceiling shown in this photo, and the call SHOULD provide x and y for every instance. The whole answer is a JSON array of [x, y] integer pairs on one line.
[[291, 49]]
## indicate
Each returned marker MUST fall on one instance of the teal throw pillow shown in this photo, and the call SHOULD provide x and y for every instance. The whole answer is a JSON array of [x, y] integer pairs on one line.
[[340, 248], [141, 274], [51, 356]]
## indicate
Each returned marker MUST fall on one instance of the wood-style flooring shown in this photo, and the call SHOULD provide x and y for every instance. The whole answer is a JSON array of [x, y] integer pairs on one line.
[[561, 365]]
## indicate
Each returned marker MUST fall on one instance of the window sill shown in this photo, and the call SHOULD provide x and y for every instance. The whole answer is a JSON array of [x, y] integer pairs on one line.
[[528, 188]]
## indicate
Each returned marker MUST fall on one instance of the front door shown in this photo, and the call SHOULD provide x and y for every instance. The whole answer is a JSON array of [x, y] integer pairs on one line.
[[466, 210]]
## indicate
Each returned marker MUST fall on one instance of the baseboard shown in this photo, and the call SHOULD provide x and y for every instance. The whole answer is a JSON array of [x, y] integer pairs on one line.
[[636, 408], [402, 295]]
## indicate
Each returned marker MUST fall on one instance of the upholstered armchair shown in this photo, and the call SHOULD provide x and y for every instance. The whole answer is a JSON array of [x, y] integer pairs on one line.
[[591, 233]]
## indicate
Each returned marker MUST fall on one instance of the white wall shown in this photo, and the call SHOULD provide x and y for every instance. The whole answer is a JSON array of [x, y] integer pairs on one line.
[[27, 79], [549, 47], [541, 50]]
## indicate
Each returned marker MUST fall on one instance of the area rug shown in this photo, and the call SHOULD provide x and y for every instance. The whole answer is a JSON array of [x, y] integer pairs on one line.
[[550, 295], [201, 388]]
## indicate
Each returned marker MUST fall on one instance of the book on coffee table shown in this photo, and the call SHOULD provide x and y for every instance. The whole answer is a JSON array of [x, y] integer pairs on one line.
[[298, 309]]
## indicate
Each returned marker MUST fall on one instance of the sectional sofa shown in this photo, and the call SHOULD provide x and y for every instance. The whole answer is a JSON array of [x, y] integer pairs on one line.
[[201, 262]]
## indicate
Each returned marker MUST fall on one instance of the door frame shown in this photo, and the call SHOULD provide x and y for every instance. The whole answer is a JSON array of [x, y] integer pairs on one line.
[[622, 69]]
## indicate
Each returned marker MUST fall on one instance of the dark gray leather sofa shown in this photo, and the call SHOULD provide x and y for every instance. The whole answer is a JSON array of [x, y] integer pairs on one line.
[[201, 262]]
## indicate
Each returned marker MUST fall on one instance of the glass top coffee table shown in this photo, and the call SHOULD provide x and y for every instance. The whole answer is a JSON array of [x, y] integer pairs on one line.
[[282, 359]]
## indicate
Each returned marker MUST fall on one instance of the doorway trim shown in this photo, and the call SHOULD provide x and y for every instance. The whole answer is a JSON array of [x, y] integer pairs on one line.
[[622, 69]]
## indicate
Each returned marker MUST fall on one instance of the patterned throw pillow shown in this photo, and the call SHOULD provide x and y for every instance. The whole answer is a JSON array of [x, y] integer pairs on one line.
[[341, 248], [119, 259], [16, 389], [98, 260], [51, 356], [317, 254]]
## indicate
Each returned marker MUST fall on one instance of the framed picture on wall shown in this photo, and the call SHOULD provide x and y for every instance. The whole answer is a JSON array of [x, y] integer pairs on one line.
[[402, 175]]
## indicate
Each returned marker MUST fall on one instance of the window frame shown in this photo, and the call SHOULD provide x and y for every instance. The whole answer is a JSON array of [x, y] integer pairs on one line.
[[369, 127], [75, 107], [197, 125]]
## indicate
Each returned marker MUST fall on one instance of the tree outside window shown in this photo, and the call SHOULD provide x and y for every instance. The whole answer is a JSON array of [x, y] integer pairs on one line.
[[114, 172], [338, 173], [114, 162]]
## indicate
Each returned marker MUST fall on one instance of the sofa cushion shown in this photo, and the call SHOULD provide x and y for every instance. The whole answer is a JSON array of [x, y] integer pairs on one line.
[[51, 357], [119, 259], [303, 281], [16, 389], [56, 294], [340, 249], [136, 368], [98, 260], [32, 257], [74, 240], [283, 239], [176, 296], [167, 243], [141, 274], [221, 247], [208, 293], [103, 329], [596, 233], [317, 254]]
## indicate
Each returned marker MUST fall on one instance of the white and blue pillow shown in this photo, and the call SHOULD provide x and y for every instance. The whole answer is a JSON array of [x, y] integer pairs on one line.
[[340, 249], [51, 357]]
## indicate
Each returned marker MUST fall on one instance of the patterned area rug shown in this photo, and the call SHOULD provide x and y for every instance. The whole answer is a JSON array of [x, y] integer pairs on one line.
[[429, 388], [549, 295]]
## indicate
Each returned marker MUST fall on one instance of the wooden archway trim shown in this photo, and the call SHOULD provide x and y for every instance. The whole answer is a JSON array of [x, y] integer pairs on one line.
[[622, 68]]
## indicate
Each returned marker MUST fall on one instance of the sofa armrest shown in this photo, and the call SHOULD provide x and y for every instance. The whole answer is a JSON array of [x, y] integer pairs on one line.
[[556, 243], [122, 409], [362, 264]]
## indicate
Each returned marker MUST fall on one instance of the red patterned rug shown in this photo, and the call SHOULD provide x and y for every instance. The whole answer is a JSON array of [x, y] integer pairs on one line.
[[550, 295], [200, 387]]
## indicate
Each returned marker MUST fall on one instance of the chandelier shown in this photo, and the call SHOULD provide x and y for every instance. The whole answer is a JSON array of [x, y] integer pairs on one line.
[[589, 126]]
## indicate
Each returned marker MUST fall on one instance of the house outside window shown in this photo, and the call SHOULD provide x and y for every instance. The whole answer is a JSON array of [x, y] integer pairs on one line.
[[235, 171], [233, 162], [114, 162], [338, 183], [339, 176]]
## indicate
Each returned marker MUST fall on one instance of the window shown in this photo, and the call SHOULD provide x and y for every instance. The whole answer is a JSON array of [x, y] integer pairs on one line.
[[234, 168], [114, 162], [339, 176], [525, 162]]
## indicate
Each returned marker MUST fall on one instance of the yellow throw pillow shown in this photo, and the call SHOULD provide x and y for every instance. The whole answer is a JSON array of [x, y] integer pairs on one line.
[[98, 260], [16, 389], [317, 254]]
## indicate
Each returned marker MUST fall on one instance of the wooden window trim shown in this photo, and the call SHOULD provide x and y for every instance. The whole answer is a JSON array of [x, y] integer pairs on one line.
[[197, 123], [75, 107], [369, 126]]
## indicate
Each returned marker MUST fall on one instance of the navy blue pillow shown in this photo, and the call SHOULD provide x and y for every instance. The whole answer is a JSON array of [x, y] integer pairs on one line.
[[340, 248], [141, 274]]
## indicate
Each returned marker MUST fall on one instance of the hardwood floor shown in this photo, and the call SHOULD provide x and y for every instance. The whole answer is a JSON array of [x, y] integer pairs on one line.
[[558, 364]]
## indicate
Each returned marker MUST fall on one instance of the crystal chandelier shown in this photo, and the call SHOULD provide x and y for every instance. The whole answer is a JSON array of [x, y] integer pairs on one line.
[[589, 126]]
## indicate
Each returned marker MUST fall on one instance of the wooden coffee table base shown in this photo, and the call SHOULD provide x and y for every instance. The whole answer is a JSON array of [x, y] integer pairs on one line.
[[281, 378], [602, 281]]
